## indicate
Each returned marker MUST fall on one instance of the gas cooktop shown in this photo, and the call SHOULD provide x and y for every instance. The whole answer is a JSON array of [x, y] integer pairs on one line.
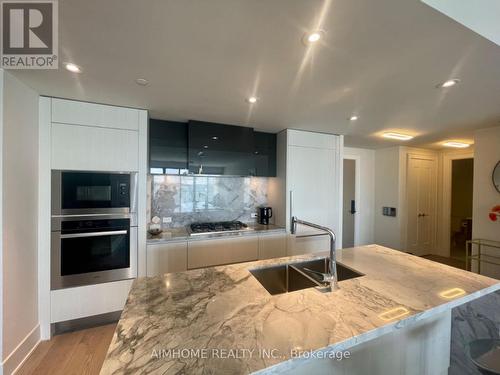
[[217, 227]]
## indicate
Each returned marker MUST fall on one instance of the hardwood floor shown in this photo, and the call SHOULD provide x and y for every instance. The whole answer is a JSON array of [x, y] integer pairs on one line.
[[75, 353]]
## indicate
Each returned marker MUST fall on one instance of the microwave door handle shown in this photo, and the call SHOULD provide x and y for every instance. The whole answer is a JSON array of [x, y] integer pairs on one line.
[[94, 234]]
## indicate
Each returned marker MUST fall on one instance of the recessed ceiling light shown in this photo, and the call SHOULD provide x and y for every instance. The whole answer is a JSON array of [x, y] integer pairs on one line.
[[252, 100], [398, 136], [353, 118], [456, 144], [142, 81], [449, 83], [312, 37], [205, 146], [73, 67], [215, 138]]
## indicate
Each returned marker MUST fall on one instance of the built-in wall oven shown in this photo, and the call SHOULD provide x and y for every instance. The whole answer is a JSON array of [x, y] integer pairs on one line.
[[94, 228]]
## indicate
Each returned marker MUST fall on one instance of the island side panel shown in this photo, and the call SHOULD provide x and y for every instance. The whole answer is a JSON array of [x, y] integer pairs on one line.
[[419, 348], [478, 319]]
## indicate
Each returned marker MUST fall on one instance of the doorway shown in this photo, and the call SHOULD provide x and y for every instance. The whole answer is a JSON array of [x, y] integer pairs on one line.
[[349, 203], [462, 172], [422, 204]]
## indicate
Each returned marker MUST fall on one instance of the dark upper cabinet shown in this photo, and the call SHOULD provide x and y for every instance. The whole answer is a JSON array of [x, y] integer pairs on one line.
[[265, 154], [218, 149], [207, 148], [168, 145]]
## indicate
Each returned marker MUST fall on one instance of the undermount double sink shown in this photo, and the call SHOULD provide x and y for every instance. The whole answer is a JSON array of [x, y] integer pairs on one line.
[[290, 277]]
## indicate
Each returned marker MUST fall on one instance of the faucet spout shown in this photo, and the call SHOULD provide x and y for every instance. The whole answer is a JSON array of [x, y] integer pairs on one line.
[[331, 276]]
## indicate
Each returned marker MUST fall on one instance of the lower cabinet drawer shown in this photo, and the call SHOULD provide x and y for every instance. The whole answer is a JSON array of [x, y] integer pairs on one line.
[[272, 246], [307, 245], [205, 253], [166, 258]]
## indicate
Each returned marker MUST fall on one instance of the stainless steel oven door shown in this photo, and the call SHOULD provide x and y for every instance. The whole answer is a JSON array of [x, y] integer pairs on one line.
[[93, 257]]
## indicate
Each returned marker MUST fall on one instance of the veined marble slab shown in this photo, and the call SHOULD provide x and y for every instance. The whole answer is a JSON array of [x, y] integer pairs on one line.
[[181, 234], [226, 308]]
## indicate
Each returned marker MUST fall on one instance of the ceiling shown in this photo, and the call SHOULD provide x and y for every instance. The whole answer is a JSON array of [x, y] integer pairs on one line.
[[480, 16], [380, 60]]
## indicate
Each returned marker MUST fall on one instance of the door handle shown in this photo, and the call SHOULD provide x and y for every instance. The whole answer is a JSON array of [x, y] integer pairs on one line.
[[353, 207], [94, 234]]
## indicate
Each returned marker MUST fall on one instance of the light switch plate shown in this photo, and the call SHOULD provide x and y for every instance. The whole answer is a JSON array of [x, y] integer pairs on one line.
[[167, 220]]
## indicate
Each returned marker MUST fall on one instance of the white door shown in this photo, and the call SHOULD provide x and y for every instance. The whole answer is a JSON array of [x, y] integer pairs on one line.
[[349, 203], [421, 198]]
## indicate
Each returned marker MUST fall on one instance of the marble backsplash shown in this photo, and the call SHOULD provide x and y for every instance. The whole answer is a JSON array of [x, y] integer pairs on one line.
[[188, 199]]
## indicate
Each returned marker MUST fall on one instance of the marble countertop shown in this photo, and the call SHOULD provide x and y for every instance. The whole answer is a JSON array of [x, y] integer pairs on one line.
[[226, 308], [181, 234]]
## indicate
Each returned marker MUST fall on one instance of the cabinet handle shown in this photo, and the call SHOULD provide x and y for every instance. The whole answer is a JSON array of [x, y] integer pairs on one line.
[[94, 234]]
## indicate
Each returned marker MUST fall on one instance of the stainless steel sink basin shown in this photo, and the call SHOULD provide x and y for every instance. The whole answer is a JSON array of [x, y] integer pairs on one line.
[[290, 277], [282, 279], [323, 266]]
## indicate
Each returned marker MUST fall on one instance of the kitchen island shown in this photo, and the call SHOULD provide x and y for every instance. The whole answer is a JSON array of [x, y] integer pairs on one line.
[[221, 320]]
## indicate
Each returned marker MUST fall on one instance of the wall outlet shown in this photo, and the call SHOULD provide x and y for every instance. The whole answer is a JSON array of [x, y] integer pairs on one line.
[[253, 215], [167, 220]]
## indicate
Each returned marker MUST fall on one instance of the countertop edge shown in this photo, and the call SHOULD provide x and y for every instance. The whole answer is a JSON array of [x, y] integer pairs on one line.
[[188, 238]]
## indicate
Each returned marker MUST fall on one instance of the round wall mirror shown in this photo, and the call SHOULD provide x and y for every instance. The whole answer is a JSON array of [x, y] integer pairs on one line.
[[496, 177]]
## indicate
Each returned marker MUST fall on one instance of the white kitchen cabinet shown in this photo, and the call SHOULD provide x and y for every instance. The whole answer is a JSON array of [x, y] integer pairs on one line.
[[88, 300], [76, 147], [166, 257], [212, 252], [310, 180], [312, 139], [86, 136], [272, 245], [91, 114]]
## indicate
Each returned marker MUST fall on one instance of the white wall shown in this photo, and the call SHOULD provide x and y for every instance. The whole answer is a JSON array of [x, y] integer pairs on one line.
[[19, 211], [365, 192], [486, 155], [387, 193]]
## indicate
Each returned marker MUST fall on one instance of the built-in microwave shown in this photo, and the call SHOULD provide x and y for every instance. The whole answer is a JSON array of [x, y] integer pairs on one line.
[[78, 192]]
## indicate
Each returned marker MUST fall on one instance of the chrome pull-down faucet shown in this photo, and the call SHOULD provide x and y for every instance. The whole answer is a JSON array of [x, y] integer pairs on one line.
[[331, 276]]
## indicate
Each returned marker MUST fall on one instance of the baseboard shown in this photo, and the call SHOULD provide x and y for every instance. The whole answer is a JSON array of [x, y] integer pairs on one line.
[[17, 357], [85, 323]]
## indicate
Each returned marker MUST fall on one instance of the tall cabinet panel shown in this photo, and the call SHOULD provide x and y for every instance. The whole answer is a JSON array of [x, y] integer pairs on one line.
[[86, 136], [310, 170]]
